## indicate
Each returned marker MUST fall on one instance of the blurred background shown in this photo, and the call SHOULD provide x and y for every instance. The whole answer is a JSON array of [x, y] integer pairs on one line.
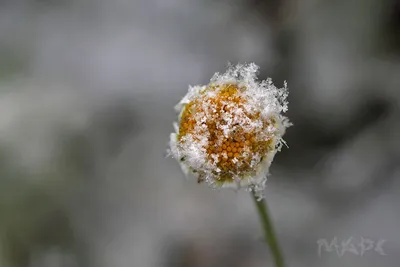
[[87, 90]]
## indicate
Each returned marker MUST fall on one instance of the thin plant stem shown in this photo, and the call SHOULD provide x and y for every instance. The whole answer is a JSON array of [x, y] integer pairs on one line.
[[269, 233]]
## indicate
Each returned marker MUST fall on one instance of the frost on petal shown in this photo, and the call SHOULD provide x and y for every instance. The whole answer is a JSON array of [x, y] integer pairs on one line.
[[230, 130]]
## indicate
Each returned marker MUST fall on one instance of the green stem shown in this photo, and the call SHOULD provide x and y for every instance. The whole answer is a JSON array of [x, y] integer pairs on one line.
[[269, 233]]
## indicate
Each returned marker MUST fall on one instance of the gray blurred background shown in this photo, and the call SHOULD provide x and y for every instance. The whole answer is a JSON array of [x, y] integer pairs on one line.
[[87, 89]]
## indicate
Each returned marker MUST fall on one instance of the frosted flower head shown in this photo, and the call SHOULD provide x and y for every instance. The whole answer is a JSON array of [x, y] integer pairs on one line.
[[229, 130]]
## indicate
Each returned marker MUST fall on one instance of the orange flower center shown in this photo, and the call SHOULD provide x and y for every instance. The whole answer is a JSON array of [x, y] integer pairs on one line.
[[234, 144]]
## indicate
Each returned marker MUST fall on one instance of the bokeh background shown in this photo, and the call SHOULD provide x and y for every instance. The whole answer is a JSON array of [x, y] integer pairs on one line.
[[87, 90]]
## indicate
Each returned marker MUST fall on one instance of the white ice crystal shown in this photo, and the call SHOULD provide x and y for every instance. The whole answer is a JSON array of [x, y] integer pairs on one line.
[[229, 131]]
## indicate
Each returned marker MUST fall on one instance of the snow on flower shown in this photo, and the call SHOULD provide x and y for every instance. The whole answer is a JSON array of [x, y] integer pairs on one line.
[[230, 130]]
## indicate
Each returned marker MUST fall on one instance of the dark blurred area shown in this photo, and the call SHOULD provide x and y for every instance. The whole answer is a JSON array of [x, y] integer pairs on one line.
[[86, 107]]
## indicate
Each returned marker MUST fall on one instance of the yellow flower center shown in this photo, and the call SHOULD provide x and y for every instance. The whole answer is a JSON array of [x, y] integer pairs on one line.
[[235, 148]]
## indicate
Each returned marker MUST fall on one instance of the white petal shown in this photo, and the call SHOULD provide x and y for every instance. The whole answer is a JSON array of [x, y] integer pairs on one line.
[[185, 169], [173, 140], [176, 127]]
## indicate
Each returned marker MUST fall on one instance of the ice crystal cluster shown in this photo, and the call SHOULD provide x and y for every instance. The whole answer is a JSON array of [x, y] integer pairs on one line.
[[229, 130]]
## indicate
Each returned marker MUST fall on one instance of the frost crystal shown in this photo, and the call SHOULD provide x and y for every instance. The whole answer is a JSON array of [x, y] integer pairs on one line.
[[229, 131]]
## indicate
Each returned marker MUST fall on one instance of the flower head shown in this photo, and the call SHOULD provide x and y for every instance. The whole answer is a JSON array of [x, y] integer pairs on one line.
[[229, 130]]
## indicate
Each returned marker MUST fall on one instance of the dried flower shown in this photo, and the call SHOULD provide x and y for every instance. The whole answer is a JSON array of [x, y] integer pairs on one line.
[[229, 131]]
